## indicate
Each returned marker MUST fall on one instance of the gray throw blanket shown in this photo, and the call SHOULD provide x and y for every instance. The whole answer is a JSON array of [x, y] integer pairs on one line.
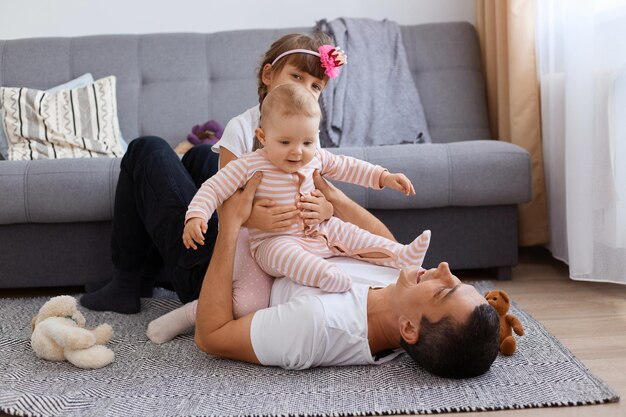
[[374, 101]]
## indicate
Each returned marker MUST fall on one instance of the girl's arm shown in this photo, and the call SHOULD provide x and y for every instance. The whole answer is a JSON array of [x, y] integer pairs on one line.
[[225, 157]]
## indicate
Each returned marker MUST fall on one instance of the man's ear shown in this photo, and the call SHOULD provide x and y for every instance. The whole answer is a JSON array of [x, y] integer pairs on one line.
[[266, 74], [260, 135], [408, 330]]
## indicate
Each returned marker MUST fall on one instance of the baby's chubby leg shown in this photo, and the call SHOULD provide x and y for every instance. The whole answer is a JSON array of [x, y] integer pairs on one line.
[[252, 286], [303, 262], [347, 239]]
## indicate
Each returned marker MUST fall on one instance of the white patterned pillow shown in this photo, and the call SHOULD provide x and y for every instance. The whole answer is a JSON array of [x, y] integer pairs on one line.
[[76, 123]]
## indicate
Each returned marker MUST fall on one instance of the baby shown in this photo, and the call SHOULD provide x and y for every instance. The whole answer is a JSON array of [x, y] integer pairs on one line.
[[288, 133]]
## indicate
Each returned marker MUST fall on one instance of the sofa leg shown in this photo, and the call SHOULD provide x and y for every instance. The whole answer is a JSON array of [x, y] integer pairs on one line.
[[504, 273]]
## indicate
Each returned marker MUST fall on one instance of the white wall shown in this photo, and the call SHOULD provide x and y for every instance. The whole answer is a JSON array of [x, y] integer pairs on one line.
[[42, 18]]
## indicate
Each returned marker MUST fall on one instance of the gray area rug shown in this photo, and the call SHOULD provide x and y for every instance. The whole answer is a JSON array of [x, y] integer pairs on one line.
[[175, 379]]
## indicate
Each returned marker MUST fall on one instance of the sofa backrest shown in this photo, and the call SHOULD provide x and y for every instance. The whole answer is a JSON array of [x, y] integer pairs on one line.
[[166, 83]]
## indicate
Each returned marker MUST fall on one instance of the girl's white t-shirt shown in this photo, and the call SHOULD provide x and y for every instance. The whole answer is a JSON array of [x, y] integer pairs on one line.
[[238, 136]]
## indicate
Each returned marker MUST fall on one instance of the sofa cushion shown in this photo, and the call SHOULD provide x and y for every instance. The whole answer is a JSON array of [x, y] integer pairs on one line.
[[463, 174], [80, 122], [444, 59], [58, 191], [476, 173]]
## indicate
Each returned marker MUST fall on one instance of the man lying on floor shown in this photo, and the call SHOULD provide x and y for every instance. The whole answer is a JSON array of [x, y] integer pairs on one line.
[[446, 326]]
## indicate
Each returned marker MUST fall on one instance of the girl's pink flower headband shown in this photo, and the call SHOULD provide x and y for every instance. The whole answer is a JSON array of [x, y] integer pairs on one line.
[[331, 57]]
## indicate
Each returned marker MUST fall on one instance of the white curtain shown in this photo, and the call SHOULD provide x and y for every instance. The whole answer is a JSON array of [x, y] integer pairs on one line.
[[581, 48]]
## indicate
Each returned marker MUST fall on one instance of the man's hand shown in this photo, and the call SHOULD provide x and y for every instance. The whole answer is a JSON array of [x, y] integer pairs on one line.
[[398, 182], [333, 194], [195, 228], [349, 211], [315, 208], [269, 217], [234, 212]]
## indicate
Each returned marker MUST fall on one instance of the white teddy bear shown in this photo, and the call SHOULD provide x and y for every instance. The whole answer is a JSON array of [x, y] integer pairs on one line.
[[59, 334]]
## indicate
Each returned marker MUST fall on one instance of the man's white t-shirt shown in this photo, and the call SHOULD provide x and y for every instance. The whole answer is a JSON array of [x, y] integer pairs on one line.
[[305, 327]]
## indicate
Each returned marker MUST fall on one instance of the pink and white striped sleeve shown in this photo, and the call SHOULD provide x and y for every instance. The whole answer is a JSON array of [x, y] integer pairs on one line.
[[349, 169], [217, 189]]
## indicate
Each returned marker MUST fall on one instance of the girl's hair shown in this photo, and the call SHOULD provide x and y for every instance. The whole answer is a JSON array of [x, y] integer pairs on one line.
[[304, 62]]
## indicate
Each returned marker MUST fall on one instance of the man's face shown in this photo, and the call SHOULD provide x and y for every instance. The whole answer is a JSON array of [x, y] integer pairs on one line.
[[434, 294]]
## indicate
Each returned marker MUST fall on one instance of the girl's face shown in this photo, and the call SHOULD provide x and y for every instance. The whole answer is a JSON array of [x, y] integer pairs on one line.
[[291, 74], [290, 143]]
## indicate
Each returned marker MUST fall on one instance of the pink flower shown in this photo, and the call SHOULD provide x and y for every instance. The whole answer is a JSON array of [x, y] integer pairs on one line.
[[331, 58]]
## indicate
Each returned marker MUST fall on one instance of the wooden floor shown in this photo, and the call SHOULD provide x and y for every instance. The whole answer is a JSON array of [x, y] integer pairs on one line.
[[588, 318]]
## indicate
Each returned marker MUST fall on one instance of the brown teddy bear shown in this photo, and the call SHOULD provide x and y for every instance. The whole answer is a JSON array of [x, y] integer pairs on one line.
[[500, 301]]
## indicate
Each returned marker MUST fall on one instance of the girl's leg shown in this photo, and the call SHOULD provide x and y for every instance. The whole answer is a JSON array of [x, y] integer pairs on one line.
[[153, 192], [302, 262], [346, 239]]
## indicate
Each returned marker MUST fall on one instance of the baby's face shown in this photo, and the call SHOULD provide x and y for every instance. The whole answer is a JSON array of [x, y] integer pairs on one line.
[[290, 142]]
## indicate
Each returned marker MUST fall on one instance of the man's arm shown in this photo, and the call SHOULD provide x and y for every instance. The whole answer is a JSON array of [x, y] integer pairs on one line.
[[349, 211], [217, 331], [352, 170]]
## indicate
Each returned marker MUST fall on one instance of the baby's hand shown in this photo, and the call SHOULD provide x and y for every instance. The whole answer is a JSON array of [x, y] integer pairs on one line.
[[398, 182], [194, 232]]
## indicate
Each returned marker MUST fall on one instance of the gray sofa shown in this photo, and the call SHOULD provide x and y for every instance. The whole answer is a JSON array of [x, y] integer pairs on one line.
[[55, 215]]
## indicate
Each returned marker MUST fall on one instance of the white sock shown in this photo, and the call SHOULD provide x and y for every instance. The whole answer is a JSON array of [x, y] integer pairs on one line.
[[172, 324]]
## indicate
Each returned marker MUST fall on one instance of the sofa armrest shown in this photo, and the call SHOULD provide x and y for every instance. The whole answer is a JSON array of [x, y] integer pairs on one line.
[[58, 190], [470, 173]]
